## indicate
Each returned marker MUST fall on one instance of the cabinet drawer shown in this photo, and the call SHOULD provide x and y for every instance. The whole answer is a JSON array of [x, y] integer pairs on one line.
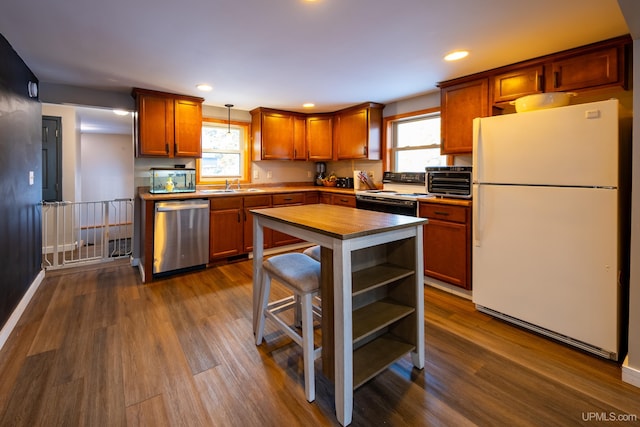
[[226, 203], [251, 201], [444, 212], [288, 199], [343, 200]]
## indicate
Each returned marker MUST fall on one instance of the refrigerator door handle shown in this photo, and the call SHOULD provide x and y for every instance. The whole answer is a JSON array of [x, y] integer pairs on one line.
[[477, 226]]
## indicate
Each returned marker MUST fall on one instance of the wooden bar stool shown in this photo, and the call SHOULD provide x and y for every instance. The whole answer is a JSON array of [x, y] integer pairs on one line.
[[300, 274]]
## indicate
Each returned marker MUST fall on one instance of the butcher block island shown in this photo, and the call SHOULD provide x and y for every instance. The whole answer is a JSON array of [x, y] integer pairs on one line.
[[371, 287]]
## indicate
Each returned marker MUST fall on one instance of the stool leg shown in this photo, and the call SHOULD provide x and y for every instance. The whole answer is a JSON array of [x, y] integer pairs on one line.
[[307, 347], [264, 302], [297, 313]]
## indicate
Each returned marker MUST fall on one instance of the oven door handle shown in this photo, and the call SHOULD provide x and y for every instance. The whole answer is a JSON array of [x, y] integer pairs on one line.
[[388, 202]]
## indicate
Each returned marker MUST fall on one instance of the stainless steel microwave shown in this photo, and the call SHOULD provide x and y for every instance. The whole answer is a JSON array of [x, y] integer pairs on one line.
[[449, 181]]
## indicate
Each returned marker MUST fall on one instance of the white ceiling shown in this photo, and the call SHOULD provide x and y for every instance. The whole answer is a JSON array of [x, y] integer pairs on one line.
[[282, 53]]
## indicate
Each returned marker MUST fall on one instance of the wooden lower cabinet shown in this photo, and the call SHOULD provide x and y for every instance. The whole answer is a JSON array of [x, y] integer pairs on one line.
[[286, 199], [225, 227], [447, 243], [254, 202]]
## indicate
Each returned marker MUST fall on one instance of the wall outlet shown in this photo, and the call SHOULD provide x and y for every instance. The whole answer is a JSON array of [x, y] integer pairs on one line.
[[269, 174], [256, 174], [308, 174], [31, 178]]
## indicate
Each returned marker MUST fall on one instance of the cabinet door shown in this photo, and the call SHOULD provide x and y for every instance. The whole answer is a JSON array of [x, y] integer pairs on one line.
[[188, 128], [155, 126], [277, 136], [586, 71], [320, 137], [225, 228], [460, 104], [299, 138], [517, 83], [445, 252], [254, 202], [352, 136], [325, 198], [447, 243], [288, 199]]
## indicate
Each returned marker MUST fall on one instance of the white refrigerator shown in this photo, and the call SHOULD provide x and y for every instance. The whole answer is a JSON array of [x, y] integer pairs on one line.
[[548, 214]]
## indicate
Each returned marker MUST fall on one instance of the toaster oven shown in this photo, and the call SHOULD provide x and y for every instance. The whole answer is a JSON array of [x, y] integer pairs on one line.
[[449, 181]]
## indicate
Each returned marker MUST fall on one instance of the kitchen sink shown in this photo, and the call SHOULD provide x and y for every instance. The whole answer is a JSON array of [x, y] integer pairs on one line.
[[232, 190], [217, 191]]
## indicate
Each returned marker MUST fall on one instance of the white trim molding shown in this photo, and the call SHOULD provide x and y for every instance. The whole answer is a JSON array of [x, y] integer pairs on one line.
[[630, 375], [8, 327]]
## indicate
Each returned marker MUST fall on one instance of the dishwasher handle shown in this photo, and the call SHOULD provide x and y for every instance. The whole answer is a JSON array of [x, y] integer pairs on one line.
[[179, 206]]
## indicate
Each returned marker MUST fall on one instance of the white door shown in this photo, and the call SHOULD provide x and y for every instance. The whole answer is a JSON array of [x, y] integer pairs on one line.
[[575, 145], [549, 256]]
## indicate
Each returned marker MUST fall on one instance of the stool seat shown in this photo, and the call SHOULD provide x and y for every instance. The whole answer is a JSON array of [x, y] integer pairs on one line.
[[313, 252], [300, 272], [301, 275]]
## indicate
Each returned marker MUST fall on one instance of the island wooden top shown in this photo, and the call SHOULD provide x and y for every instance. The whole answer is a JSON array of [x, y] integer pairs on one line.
[[338, 221]]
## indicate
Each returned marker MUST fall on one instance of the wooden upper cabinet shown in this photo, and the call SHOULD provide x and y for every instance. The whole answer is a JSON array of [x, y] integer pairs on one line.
[[299, 138], [167, 125], [188, 128], [357, 132], [320, 137], [277, 135], [154, 125], [596, 66], [585, 71], [460, 104], [514, 84]]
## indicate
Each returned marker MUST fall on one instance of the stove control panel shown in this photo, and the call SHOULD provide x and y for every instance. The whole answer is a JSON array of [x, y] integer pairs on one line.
[[403, 177]]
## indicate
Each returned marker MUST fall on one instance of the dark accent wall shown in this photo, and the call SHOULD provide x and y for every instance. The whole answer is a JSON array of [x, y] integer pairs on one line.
[[20, 153]]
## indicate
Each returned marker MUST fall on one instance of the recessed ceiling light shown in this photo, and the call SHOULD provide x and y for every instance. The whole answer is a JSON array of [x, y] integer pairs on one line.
[[308, 105], [455, 55], [204, 87], [120, 112]]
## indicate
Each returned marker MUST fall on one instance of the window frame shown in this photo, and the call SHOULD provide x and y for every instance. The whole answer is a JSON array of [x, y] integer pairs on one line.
[[244, 148], [388, 135]]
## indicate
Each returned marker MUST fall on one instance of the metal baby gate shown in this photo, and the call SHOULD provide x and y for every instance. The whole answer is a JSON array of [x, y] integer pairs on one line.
[[86, 232]]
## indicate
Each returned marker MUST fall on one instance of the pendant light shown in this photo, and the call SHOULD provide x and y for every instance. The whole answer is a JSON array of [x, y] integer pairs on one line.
[[228, 118]]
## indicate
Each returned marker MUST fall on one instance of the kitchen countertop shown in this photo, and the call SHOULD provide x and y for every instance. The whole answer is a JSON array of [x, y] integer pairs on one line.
[[144, 194]]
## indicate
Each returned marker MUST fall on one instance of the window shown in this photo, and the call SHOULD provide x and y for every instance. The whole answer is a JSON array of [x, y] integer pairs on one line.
[[415, 143], [225, 155]]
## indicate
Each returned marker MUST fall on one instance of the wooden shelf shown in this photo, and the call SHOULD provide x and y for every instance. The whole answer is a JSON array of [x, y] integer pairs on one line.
[[373, 317], [376, 356], [376, 276]]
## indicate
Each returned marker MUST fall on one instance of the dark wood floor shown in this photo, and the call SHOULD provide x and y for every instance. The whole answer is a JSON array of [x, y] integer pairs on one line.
[[97, 348]]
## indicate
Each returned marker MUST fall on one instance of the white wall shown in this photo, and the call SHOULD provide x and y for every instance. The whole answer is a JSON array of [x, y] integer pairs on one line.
[[106, 167]]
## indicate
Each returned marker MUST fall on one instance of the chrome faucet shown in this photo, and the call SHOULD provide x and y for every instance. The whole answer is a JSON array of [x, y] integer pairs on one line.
[[227, 184]]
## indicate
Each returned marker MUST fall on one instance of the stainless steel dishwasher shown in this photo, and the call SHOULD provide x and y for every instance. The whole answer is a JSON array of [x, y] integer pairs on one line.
[[181, 235]]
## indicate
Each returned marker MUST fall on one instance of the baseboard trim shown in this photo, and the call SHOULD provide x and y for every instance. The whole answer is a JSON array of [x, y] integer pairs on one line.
[[630, 375], [443, 286], [8, 327]]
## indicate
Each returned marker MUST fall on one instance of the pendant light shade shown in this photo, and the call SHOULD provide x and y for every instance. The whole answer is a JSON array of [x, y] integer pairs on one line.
[[228, 118]]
